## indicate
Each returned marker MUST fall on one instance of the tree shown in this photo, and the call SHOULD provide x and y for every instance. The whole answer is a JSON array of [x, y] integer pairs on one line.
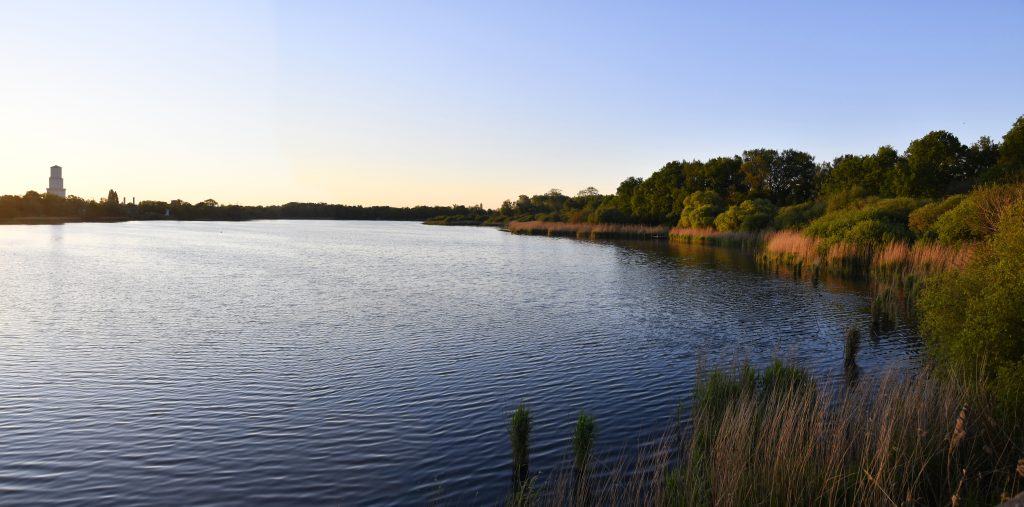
[[624, 195], [844, 172], [981, 158], [588, 192], [1010, 165], [793, 177], [933, 164], [655, 199], [880, 171], [722, 174], [786, 178], [756, 170]]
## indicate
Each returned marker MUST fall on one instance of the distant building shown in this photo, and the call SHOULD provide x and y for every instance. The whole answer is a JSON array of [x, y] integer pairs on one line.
[[56, 182]]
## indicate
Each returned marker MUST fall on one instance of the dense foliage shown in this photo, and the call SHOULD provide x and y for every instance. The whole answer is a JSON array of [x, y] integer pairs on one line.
[[973, 319]]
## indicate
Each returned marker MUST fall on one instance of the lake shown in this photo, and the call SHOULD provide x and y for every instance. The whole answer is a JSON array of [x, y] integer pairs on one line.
[[365, 363]]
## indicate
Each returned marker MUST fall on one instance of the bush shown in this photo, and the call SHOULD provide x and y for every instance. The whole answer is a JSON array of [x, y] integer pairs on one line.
[[610, 215], [922, 219], [972, 319], [977, 215], [798, 215], [749, 215], [875, 233], [868, 221], [959, 224], [700, 209]]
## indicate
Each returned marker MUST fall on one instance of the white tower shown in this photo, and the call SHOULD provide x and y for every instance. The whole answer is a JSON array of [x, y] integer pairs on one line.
[[56, 182]]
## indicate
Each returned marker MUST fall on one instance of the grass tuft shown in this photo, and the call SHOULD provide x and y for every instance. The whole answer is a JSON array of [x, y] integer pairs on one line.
[[520, 424]]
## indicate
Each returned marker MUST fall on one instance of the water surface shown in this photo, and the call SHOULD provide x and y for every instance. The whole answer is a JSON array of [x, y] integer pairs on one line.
[[362, 363]]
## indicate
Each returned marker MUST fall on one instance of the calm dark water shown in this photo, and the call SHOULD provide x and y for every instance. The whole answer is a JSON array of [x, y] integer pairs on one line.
[[362, 363]]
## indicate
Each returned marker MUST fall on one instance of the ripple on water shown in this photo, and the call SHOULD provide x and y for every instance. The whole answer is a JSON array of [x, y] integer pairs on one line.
[[362, 363]]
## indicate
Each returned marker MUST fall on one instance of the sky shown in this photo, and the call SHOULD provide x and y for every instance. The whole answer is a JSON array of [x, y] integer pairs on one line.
[[444, 102]]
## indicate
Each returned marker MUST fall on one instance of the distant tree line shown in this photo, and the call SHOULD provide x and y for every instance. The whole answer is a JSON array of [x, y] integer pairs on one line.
[[759, 182], [35, 205]]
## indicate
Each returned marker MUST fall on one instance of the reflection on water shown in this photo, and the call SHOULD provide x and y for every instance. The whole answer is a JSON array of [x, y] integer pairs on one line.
[[363, 362]]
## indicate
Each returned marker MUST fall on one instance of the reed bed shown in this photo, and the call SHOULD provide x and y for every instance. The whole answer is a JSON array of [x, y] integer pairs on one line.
[[588, 230], [892, 439], [792, 248]]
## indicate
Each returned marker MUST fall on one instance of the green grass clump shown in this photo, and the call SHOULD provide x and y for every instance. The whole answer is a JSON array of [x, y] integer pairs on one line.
[[519, 428], [583, 441]]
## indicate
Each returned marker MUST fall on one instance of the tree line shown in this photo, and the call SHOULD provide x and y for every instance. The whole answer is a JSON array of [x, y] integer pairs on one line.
[[36, 205], [760, 181]]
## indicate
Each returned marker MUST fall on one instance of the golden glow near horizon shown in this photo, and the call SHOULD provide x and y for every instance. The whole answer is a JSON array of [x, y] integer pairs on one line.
[[261, 102]]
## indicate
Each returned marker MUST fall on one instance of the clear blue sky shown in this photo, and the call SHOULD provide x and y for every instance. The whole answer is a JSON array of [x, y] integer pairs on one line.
[[380, 102]]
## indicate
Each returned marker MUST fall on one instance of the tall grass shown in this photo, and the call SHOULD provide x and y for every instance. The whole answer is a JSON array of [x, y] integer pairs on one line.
[[890, 440], [583, 441], [519, 427]]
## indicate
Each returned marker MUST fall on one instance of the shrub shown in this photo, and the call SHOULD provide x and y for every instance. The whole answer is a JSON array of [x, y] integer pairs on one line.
[[610, 215], [960, 224], [972, 320], [749, 215], [922, 219], [798, 215], [886, 220], [700, 209]]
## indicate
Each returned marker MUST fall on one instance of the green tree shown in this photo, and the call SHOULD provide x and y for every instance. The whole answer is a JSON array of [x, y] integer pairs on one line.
[[724, 176], [981, 158], [933, 164], [1010, 165], [655, 200], [756, 170], [786, 178], [793, 177]]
